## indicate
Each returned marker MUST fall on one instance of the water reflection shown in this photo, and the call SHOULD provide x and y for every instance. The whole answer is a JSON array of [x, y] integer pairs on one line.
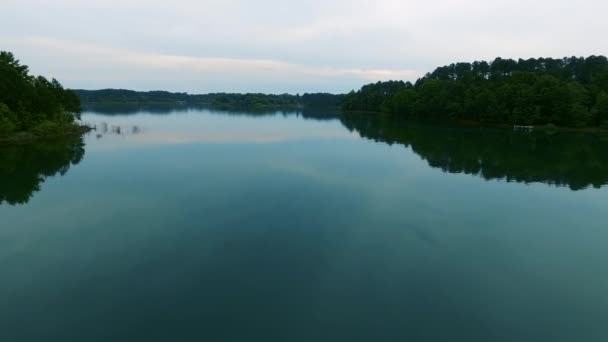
[[104, 129], [576, 160], [124, 109], [121, 109], [304, 113], [336, 239], [23, 168], [171, 125]]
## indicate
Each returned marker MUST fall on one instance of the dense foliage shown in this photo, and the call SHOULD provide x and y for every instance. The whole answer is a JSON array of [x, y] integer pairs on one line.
[[33, 103], [216, 100], [574, 159], [567, 92]]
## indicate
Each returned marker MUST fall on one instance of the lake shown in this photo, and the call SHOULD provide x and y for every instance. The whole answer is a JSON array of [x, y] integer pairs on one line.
[[185, 224]]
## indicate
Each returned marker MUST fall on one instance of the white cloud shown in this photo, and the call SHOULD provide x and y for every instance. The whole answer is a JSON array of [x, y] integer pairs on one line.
[[101, 63]]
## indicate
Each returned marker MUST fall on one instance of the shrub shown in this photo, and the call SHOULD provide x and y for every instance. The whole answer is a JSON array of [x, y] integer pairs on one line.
[[7, 118], [550, 127], [46, 128], [6, 126]]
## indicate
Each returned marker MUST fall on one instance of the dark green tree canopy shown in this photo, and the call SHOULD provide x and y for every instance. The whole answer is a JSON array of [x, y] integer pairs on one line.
[[27, 101], [567, 92]]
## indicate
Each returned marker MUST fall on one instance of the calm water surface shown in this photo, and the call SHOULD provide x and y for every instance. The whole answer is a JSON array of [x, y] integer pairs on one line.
[[194, 225]]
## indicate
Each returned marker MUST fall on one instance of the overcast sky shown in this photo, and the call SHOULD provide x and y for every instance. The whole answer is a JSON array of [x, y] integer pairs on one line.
[[281, 46]]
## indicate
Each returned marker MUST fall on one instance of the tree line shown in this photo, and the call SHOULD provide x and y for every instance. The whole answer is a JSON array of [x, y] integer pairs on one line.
[[570, 92], [251, 101], [33, 103]]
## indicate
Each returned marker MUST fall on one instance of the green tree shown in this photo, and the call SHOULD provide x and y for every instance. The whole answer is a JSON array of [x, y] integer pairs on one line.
[[27, 101], [532, 91], [7, 119], [601, 108]]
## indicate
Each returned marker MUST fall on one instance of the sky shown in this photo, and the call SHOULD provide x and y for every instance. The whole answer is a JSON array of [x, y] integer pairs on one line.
[[280, 46]]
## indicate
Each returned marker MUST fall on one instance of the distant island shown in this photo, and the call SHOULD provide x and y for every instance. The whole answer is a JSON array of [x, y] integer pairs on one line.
[[567, 92], [32, 107]]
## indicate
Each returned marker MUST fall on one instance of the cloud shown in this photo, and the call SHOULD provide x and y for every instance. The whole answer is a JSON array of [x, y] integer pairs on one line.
[[317, 44], [103, 63]]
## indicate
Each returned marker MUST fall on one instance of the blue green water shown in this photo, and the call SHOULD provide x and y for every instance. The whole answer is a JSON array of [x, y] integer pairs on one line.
[[194, 225]]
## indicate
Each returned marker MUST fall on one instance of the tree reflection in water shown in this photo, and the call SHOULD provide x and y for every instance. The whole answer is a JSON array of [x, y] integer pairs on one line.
[[574, 159], [23, 168]]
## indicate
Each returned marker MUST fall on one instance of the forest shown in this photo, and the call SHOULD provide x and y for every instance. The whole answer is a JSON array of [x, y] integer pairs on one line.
[[34, 104], [569, 92]]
